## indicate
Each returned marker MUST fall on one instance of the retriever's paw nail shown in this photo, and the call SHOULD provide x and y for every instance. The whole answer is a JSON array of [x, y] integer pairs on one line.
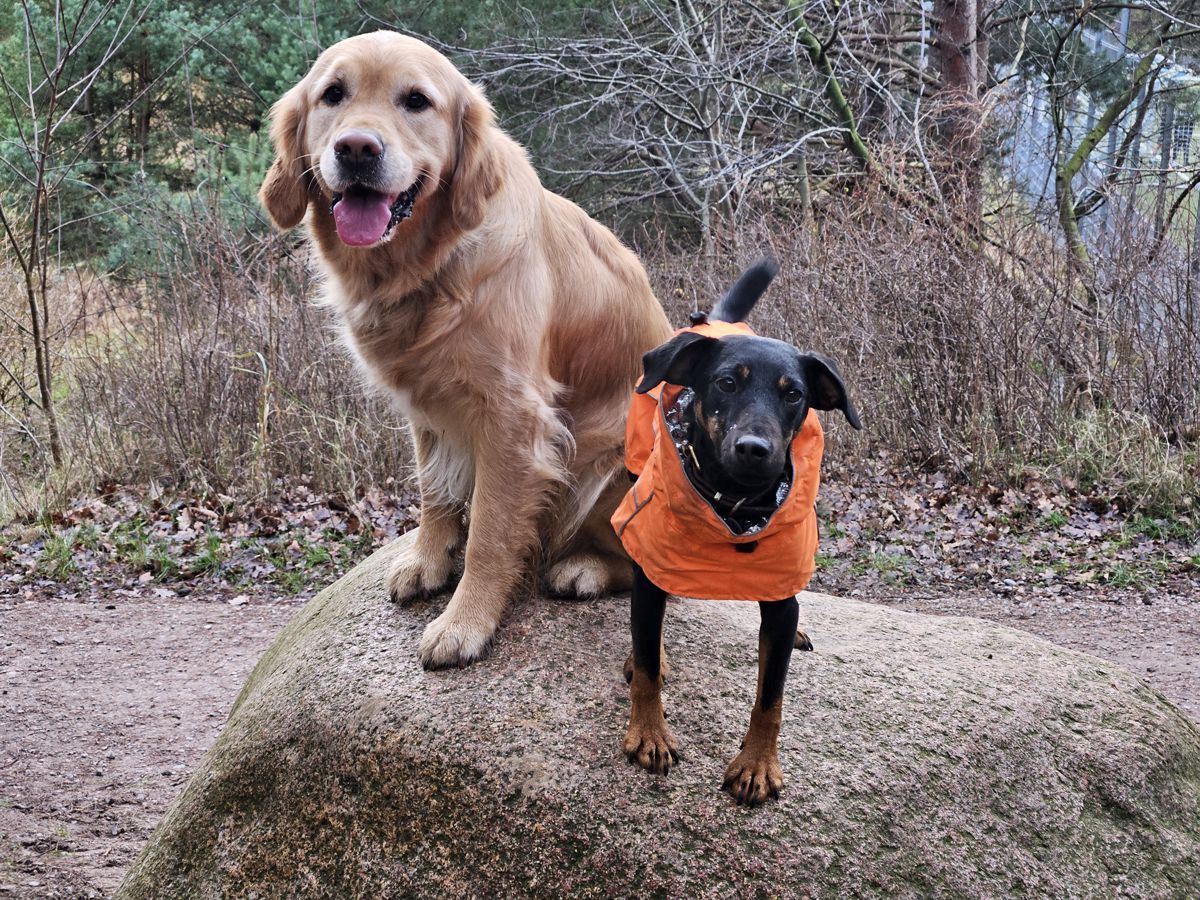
[[418, 575], [752, 779], [802, 641], [653, 747], [448, 642]]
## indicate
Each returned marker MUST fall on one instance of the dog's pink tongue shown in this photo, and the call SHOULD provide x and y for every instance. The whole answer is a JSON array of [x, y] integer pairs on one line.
[[361, 219]]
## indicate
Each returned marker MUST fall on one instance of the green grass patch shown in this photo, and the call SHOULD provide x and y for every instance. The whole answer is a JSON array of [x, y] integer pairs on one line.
[[1179, 528], [208, 561], [1055, 520], [87, 537], [160, 563], [892, 568], [132, 543], [58, 557]]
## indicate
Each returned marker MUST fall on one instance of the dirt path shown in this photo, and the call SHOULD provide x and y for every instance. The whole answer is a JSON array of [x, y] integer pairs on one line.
[[105, 709], [107, 706]]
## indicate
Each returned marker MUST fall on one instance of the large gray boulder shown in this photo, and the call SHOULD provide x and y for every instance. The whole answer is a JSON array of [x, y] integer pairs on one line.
[[925, 757]]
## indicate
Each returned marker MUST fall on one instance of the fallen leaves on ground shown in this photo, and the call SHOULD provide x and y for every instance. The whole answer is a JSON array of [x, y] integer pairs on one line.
[[145, 541], [885, 527]]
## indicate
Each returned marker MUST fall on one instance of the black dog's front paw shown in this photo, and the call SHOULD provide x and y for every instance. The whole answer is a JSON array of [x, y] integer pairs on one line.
[[753, 777], [651, 745], [802, 641]]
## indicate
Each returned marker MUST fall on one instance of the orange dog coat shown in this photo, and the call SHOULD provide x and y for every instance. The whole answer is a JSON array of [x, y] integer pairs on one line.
[[678, 539]]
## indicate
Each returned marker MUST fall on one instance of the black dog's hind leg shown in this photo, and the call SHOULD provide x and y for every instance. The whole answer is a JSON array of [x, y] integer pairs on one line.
[[648, 740], [754, 775]]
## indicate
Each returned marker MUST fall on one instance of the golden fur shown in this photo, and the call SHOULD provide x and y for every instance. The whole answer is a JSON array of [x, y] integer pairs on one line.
[[508, 324]]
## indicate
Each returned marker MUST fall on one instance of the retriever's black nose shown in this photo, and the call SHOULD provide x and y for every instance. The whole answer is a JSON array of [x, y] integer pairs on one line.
[[358, 147], [751, 449]]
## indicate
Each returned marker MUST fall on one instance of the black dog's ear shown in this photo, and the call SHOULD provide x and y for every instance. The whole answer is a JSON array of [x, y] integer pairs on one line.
[[825, 387], [674, 361]]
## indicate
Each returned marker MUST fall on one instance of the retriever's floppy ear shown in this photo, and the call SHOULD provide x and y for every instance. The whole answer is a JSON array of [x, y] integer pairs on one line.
[[476, 176], [676, 361], [285, 192], [825, 387]]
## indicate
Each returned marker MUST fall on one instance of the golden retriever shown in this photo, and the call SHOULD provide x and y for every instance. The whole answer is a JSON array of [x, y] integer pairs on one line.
[[508, 325]]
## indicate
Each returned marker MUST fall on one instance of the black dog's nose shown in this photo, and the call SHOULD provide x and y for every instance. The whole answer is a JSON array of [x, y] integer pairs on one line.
[[358, 147], [751, 449]]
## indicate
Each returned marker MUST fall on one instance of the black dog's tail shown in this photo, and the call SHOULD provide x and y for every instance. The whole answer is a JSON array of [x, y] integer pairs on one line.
[[735, 306]]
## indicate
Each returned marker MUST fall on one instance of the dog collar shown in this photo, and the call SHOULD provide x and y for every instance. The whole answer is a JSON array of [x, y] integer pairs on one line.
[[728, 506]]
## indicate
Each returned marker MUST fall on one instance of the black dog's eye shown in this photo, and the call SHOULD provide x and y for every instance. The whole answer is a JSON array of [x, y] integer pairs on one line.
[[333, 94], [416, 101], [793, 396], [726, 384]]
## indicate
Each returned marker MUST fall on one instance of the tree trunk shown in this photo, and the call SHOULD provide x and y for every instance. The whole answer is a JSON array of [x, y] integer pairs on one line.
[[959, 118], [1166, 139]]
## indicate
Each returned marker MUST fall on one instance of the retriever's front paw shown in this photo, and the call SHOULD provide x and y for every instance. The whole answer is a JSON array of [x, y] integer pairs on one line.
[[449, 641], [583, 575], [419, 573], [752, 777], [651, 745]]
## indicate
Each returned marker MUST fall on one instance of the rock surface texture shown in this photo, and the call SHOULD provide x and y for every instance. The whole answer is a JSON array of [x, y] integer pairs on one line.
[[924, 756]]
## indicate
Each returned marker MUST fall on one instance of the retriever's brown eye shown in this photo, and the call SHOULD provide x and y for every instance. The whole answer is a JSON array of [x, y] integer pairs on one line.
[[726, 385], [416, 101], [333, 94], [793, 396]]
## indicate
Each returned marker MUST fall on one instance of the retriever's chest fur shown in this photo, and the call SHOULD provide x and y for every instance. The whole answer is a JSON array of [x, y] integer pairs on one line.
[[416, 351]]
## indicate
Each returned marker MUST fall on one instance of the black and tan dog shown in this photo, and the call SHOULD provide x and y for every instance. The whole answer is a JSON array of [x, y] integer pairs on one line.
[[727, 452]]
